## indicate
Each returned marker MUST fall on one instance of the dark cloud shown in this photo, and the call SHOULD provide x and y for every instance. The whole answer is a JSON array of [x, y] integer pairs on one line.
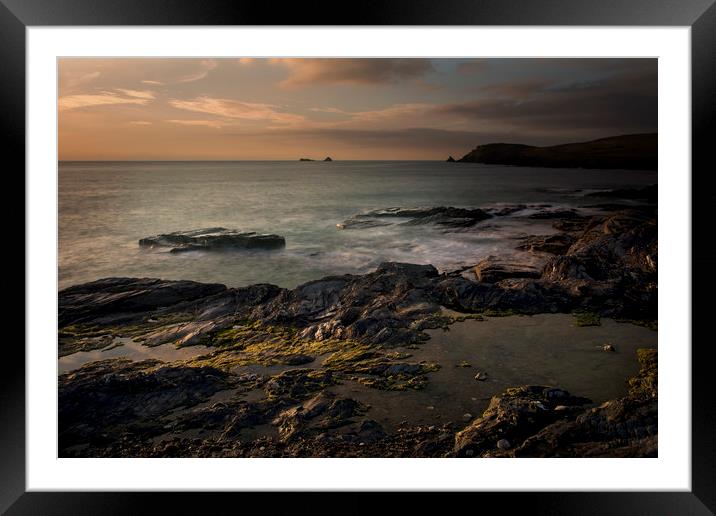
[[619, 103], [304, 72]]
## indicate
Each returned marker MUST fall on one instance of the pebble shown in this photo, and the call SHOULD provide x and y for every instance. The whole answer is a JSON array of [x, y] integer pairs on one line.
[[559, 408], [481, 377], [430, 407], [608, 348], [504, 444], [467, 416]]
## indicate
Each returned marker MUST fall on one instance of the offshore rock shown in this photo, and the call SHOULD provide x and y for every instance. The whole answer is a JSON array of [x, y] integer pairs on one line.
[[212, 239]]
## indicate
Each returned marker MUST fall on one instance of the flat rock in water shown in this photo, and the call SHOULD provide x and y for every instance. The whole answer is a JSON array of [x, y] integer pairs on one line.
[[441, 215], [213, 238]]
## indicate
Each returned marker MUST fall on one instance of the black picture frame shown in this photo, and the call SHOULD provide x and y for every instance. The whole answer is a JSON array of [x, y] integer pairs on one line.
[[700, 15]]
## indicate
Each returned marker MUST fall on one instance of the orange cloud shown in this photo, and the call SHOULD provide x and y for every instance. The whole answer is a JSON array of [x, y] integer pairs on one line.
[[206, 123], [99, 99], [207, 65], [234, 109], [139, 94]]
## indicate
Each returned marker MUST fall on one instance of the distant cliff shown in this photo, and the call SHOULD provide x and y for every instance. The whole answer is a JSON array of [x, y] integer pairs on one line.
[[631, 151]]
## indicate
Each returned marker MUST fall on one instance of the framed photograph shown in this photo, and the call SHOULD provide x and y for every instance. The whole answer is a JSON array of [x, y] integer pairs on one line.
[[425, 249]]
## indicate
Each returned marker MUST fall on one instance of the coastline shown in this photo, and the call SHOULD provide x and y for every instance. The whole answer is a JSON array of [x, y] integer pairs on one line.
[[355, 328]]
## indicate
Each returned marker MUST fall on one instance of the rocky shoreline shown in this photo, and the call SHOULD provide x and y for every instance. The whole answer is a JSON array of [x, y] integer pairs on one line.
[[357, 328]]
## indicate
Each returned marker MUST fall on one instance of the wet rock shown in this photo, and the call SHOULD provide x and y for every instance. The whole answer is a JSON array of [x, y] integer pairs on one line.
[[322, 412], [120, 298], [504, 444], [608, 348], [297, 359], [101, 400], [496, 268], [448, 217], [552, 244], [371, 431], [514, 415], [295, 384], [208, 239]]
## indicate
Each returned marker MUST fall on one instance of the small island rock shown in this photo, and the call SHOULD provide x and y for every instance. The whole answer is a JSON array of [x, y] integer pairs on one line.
[[213, 238]]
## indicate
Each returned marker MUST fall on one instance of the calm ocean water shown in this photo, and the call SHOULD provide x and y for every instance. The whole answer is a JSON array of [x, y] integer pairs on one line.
[[106, 207]]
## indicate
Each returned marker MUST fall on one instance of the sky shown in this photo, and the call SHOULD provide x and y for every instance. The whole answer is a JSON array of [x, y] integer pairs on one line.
[[358, 108]]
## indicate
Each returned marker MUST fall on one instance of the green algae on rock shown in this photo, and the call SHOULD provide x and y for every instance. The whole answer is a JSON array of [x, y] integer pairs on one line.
[[586, 319]]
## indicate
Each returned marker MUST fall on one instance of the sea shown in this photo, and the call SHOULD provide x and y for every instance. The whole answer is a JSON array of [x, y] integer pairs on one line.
[[106, 207]]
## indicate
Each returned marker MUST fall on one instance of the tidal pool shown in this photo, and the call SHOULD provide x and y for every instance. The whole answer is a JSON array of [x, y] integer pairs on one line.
[[127, 348], [546, 349]]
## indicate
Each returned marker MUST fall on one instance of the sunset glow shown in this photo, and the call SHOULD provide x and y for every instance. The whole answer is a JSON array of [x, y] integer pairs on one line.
[[283, 109]]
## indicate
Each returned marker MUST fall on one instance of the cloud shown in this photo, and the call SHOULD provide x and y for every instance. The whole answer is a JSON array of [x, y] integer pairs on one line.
[[407, 139], [207, 65], [82, 79], [153, 83], [140, 122], [397, 114], [620, 103], [306, 72], [98, 99], [234, 109], [333, 110], [206, 123], [139, 94]]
